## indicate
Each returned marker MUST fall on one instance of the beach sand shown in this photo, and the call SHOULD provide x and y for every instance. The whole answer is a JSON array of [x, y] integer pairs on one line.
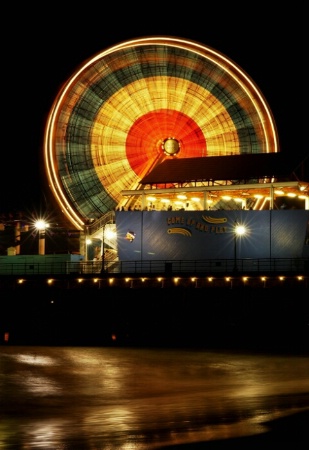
[[292, 430]]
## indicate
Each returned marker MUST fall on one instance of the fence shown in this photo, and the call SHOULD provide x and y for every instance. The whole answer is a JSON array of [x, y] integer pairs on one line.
[[166, 267]]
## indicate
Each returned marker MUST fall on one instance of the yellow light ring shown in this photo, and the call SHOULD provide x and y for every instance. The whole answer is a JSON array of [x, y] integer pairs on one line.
[[123, 165], [107, 125]]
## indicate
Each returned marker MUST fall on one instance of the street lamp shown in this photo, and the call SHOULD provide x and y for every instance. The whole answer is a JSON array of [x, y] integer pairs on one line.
[[41, 226], [239, 230], [87, 242]]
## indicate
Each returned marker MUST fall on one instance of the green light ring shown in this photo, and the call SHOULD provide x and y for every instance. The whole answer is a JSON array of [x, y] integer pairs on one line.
[[70, 163]]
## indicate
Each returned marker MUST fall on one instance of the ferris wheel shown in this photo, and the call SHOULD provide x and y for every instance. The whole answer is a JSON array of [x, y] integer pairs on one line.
[[137, 103]]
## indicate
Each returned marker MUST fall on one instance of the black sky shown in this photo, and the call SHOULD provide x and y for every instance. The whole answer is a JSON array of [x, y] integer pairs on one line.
[[43, 48]]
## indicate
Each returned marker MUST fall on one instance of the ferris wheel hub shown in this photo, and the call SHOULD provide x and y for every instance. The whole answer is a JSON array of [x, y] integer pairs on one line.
[[171, 146]]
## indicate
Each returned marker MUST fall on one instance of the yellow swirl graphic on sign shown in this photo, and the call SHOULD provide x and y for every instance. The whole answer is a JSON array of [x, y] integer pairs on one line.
[[178, 230], [214, 219]]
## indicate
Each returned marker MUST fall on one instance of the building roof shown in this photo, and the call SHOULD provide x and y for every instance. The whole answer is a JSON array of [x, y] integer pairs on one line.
[[239, 168]]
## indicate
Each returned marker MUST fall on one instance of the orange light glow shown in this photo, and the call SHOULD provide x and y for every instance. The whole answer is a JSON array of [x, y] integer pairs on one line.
[[133, 105]]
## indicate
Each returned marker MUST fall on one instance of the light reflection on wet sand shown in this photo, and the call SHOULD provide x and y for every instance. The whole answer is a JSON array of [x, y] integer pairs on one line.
[[120, 398]]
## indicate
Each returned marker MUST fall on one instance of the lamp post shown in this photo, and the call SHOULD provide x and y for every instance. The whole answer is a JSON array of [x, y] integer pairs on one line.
[[239, 230], [110, 234], [88, 242], [103, 248], [41, 226]]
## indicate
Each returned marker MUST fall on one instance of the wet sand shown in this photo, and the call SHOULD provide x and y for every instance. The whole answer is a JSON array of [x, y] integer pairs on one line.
[[292, 430]]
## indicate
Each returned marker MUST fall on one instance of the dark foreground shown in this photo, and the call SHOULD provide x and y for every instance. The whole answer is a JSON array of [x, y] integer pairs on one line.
[[255, 318], [291, 431]]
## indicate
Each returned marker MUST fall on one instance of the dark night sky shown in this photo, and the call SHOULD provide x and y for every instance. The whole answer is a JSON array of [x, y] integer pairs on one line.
[[42, 49]]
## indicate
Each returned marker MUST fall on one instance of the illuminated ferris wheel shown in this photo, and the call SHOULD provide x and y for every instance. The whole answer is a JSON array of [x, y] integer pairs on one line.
[[137, 103]]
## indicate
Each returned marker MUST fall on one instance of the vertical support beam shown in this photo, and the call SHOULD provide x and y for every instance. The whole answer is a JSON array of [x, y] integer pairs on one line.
[[271, 195], [42, 241], [17, 238]]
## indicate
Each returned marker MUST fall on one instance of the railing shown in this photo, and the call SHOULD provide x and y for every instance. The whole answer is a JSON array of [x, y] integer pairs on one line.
[[109, 217], [166, 267]]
